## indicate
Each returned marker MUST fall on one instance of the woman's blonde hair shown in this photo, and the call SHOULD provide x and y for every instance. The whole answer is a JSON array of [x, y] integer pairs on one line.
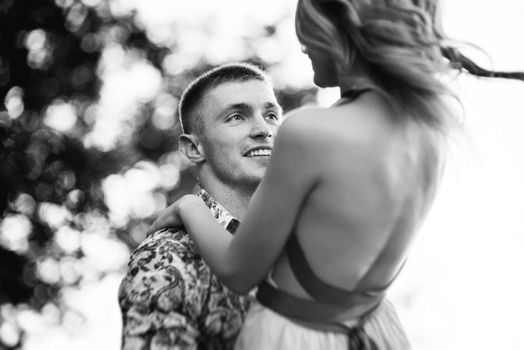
[[396, 47]]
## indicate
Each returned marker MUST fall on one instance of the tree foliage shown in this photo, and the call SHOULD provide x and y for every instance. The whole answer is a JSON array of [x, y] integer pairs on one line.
[[51, 179]]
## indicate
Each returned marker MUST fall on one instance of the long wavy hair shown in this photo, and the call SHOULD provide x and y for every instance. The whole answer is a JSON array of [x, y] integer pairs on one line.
[[396, 47]]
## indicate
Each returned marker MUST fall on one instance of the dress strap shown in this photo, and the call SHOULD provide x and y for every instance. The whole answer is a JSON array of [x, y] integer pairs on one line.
[[324, 292], [312, 311], [351, 95], [318, 316], [311, 283]]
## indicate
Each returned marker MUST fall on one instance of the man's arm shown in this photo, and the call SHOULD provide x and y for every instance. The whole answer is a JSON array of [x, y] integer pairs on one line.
[[159, 295]]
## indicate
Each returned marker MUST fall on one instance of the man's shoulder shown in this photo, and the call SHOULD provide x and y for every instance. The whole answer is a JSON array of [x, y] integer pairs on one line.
[[160, 295], [166, 244], [161, 261]]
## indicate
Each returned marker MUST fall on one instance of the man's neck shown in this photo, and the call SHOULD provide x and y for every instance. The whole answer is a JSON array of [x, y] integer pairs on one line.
[[234, 199]]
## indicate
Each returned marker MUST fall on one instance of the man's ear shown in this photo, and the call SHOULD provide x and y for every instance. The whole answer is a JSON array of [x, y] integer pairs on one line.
[[190, 146]]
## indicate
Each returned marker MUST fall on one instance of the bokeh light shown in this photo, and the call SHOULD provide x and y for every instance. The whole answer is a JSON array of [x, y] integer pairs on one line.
[[60, 116], [14, 102], [14, 230]]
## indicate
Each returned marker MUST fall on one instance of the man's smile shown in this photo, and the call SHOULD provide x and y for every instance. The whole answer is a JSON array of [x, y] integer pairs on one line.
[[258, 152]]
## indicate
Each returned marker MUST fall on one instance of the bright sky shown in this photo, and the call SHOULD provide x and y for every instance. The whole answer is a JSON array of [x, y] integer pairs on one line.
[[462, 286]]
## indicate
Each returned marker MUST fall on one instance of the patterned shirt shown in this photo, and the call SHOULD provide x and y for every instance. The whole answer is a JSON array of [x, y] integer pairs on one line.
[[170, 299]]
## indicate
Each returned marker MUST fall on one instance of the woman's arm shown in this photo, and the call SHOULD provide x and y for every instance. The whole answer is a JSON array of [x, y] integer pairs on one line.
[[243, 260]]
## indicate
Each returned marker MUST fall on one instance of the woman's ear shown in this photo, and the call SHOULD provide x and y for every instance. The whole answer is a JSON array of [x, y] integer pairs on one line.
[[190, 146]]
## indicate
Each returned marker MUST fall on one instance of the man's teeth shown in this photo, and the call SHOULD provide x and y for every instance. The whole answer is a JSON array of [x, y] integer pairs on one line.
[[259, 152]]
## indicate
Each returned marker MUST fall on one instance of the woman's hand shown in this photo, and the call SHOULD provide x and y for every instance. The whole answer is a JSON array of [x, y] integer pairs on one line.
[[170, 216]]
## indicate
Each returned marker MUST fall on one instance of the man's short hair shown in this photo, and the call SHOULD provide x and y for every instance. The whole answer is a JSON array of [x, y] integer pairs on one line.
[[195, 93]]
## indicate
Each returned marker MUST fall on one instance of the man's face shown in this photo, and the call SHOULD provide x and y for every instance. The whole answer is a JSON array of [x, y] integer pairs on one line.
[[239, 121]]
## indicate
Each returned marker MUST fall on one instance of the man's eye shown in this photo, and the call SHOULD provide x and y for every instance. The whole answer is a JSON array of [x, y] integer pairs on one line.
[[273, 116], [236, 116]]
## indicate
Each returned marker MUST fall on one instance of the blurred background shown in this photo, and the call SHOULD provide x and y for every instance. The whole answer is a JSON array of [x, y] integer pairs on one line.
[[88, 133]]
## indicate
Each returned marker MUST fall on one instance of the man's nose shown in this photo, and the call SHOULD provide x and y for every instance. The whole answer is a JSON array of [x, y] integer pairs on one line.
[[260, 128]]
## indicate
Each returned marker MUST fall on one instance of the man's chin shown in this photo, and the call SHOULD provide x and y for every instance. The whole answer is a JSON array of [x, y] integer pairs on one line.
[[263, 160], [256, 176]]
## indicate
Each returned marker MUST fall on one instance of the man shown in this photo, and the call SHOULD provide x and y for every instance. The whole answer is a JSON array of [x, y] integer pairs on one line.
[[169, 298]]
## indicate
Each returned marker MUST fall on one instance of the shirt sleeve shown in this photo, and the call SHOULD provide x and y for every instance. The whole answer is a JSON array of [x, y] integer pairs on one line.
[[160, 297]]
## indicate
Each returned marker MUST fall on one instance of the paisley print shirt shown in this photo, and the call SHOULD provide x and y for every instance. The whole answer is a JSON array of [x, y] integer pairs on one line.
[[170, 299]]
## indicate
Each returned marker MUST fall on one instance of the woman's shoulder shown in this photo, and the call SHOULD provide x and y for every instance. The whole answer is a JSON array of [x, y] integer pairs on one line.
[[301, 123], [354, 122], [297, 116], [317, 119]]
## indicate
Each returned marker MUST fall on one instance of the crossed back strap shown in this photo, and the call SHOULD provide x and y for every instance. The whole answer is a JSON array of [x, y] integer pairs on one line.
[[326, 293]]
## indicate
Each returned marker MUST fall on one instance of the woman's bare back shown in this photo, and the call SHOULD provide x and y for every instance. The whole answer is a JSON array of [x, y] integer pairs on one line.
[[376, 178]]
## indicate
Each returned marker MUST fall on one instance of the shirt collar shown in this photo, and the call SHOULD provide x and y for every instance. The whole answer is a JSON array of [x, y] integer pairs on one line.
[[224, 218]]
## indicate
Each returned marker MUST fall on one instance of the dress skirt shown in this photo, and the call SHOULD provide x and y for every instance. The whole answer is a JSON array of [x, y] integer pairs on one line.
[[265, 329]]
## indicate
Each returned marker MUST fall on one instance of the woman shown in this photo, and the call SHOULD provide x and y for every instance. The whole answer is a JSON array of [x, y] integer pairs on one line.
[[347, 187]]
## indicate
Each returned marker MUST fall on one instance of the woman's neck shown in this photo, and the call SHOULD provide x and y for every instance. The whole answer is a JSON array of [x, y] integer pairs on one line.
[[354, 80]]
